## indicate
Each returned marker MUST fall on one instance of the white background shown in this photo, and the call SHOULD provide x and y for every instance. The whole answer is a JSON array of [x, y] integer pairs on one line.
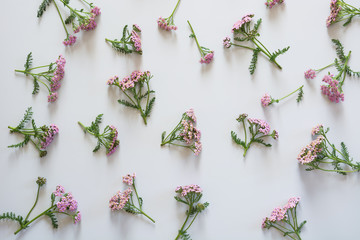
[[240, 191]]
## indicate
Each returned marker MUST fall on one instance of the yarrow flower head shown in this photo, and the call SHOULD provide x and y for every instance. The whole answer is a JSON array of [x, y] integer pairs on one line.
[[335, 8], [168, 23], [108, 139], [69, 40], [258, 129], [129, 179], [130, 41], [271, 3], [311, 151], [61, 203], [41, 137], [132, 86], [316, 130], [124, 200], [284, 219], [267, 100], [333, 90], [310, 74], [50, 78], [185, 132], [191, 196], [245, 31]]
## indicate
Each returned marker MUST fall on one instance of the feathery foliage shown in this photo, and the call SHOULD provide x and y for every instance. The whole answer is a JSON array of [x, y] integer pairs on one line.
[[12, 216], [126, 103], [27, 117], [274, 55], [254, 59], [36, 86], [300, 94], [53, 219], [28, 62], [70, 18], [21, 144], [149, 107], [42, 7], [339, 50]]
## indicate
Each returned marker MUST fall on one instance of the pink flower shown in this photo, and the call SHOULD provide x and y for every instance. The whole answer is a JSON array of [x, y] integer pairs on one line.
[[190, 113], [335, 9], [332, 90], [136, 28], [48, 137], [310, 74], [129, 179], [316, 129], [70, 40], [185, 190], [245, 19], [118, 201], [135, 38], [309, 153], [59, 191], [292, 202], [96, 11], [164, 24], [271, 3], [77, 217], [112, 80], [264, 127], [227, 42], [67, 202], [266, 100], [52, 97], [207, 58]]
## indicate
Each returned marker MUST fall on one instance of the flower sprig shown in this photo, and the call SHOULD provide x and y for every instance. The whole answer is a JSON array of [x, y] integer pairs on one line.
[[191, 196], [108, 138], [79, 19], [124, 200], [334, 88], [168, 23], [284, 219], [61, 203], [41, 137], [243, 32], [267, 100], [321, 152], [50, 78], [258, 129], [184, 132], [341, 11], [135, 85], [129, 42], [271, 3], [206, 54]]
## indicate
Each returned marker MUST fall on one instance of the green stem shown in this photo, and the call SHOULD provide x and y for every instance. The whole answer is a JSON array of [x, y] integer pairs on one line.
[[277, 100], [344, 70], [197, 43], [144, 214], [177, 4], [137, 196], [182, 227], [191, 222], [266, 52], [318, 70], [238, 45], [28, 223], [62, 21], [262, 45], [36, 200], [174, 130], [282, 230]]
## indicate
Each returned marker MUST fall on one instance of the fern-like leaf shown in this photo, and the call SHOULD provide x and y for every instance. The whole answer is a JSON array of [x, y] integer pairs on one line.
[[338, 65], [21, 144], [95, 124], [27, 117], [97, 147], [258, 140], [257, 24], [126, 103], [348, 20], [254, 59], [180, 200], [350, 72], [12, 216], [28, 62], [184, 235], [345, 152], [36, 86], [274, 55], [300, 95], [301, 225], [339, 50], [70, 18], [42, 7], [53, 219], [145, 94], [149, 107]]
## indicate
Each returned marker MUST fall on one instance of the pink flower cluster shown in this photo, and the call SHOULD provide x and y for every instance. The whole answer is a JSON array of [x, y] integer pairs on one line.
[[129, 179], [190, 133], [48, 137], [335, 9], [185, 190], [332, 89], [264, 127], [77, 217], [227, 42], [70, 40], [207, 58], [113, 80], [89, 23], [275, 135], [245, 19], [114, 142], [129, 82], [316, 129], [271, 3], [135, 38], [310, 74], [279, 213], [52, 97], [66, 202], [118, 201], [164, 24], [309, 153], [95, 11], [58, 74], [266, 100], [136, 28]]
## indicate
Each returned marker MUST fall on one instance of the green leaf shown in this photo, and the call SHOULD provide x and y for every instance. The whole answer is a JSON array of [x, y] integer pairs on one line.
[[97, 147], [339, 50], [70, 18], [348, 20], [257, 24], [28, 62], [180, 200], [42, 7], [163, 136], [149, 107], [145, 94], [237, 140], [21, 144], [258, 140], [12, 216], [274, 55], [27, 117], [36, 86], [53, 219], [126, 103], [301, 225], [345, 152], [300, 95], [338, 66], [254, 59]]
